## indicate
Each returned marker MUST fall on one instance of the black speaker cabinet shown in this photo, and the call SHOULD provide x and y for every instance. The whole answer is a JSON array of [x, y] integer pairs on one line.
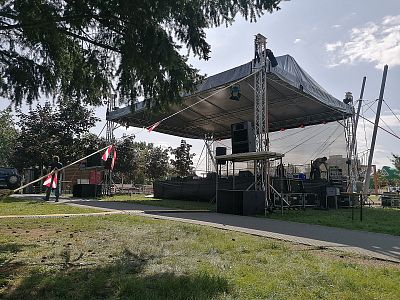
[[220, 151], [243, 139], [86, 190], [94, 161], [239, 202]]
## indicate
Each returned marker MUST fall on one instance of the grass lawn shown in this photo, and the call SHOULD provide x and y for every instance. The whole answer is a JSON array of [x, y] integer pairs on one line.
[[132, 257], [181, 204], [384, 220], [14, 206]]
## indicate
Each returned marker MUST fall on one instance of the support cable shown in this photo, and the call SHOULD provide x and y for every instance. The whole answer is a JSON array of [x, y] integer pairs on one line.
[[380, 118], [201, 154], [398, 119], [320, 148], [303, 142]]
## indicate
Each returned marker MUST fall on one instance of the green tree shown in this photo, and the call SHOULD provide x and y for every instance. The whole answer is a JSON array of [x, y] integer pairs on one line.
[[8, 136], [78, 49], [127, 161], [47, 131], [156, 162], [183, 162]]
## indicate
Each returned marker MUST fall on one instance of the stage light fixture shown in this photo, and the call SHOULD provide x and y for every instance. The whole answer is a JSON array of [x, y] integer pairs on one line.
[[348, 98], [235, 93]]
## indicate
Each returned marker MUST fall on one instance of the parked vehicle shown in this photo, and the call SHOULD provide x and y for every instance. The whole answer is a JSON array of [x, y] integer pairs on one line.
[[9, 178]]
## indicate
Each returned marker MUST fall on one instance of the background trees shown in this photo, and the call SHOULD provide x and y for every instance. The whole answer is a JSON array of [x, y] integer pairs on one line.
[[156, 162], [47, 131], [183, 162], [8, 135], [77, 49]]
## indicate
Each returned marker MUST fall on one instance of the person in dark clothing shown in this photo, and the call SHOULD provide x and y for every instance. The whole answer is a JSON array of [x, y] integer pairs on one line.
[[315, 167], [55, 165], [280, 170]]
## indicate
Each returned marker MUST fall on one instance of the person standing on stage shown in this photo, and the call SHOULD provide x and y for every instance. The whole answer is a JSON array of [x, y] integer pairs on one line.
[[316, 167]]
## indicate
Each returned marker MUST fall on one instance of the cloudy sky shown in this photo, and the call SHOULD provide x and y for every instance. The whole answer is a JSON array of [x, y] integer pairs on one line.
[[337, 43]]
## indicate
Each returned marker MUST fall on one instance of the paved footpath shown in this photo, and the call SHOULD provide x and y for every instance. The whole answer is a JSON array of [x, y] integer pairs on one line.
[[376, 245]]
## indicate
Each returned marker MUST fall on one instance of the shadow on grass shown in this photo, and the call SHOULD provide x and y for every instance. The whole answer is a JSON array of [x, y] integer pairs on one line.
[[20, 200], [8, 268], [124, 279]]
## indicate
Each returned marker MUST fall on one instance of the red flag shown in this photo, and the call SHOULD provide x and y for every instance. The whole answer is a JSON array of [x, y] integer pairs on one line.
[[107, 153], [152, 127], [48, 181]]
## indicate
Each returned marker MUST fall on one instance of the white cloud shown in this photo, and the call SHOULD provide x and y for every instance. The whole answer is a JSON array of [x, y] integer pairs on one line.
[[296, 41], [391, 20], [333, 46], [336, 26], [372, 43]]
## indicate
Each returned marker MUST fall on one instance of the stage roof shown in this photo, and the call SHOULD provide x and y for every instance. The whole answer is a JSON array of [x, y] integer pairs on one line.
[[295, 99]]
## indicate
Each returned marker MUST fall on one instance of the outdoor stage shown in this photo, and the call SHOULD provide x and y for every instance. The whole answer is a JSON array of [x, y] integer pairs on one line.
[[271, 97]]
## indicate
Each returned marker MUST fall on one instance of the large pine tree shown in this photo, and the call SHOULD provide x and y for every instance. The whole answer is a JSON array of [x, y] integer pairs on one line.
[[79, 49]]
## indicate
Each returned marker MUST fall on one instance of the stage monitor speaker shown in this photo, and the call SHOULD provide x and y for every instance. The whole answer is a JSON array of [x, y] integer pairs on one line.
[[107, 163], [86, 190], [94, 161], [281, 185], [243, 139], [218, 152]]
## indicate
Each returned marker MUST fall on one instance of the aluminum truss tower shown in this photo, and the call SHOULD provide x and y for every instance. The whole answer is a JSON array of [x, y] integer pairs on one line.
[[351, 149], [261, 129], [110, 139]]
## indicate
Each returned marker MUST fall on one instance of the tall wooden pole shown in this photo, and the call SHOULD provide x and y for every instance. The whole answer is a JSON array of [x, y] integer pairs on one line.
[[371, 151]]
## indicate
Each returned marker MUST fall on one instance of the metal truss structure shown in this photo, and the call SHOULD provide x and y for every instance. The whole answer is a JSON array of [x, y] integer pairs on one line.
[[210, 159], [351, 149], [261, 130], [110, 139]]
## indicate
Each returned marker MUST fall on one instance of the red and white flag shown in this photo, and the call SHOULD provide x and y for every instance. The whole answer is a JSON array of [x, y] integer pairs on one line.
[[152, 127], [48, 181], [114, 158], [107, 153]]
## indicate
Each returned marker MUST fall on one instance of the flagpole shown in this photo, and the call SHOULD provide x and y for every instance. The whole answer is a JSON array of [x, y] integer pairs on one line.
[[52, 172]]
